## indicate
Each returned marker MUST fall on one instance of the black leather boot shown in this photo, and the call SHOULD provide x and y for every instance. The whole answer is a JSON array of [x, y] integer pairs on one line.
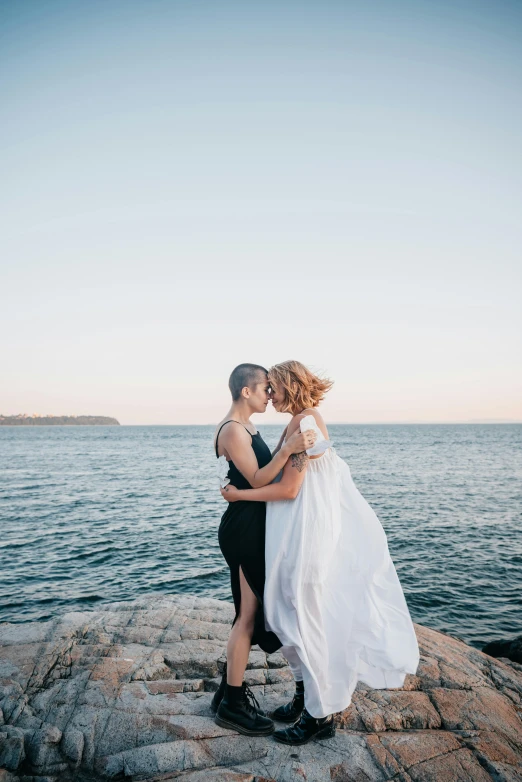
[[291, 711], [218, 695], [307, 728], [220, 692], [239, 710]]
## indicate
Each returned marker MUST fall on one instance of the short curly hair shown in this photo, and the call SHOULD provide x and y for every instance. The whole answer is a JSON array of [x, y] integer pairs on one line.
[[302, 388]]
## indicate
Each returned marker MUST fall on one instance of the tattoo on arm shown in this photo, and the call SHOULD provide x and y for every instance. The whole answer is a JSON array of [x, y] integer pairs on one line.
[[299, 460]]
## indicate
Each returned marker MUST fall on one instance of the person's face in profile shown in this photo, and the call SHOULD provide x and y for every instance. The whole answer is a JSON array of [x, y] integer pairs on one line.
[[259, 395], [277, 396]]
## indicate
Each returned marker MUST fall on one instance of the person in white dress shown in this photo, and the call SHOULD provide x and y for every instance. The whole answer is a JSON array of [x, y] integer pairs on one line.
[[332, 594]]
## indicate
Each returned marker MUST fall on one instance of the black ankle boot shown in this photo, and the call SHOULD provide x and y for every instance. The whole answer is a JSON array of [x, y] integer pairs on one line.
[[239, 710], [220, 692], [291, 711], [307, 728], [218, 695]]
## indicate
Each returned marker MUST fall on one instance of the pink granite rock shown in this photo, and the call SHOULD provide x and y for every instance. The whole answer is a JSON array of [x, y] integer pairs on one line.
[[123, 692]]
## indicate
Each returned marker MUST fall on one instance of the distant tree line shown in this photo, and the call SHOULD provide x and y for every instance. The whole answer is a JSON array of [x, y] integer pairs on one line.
[[61, 420]]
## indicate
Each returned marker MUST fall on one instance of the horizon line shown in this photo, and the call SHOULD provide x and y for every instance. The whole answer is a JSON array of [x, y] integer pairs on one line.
[[487, 421]]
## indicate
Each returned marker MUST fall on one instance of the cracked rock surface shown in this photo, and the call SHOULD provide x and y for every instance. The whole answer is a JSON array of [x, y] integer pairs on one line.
[[123, 693]]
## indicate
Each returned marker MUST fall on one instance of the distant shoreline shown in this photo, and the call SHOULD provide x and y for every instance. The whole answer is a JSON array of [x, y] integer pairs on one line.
[[58, 420]]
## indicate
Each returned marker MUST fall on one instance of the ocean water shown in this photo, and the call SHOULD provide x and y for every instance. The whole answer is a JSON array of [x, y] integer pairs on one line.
[[97, 514]]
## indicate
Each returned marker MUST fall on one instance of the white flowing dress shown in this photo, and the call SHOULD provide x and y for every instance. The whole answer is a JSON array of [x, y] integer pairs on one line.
[[332, 594]]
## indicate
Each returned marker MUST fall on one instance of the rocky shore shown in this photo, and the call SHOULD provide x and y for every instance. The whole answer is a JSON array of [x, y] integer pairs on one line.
[[123, 693]]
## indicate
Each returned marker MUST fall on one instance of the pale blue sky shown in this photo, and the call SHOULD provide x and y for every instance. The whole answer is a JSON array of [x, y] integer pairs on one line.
[[189, 185]]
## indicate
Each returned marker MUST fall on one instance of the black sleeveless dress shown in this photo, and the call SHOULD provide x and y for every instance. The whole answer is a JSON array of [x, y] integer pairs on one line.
[[242, 542]]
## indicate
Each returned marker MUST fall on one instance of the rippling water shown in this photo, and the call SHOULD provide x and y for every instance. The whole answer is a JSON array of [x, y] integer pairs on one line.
[[94, 514]]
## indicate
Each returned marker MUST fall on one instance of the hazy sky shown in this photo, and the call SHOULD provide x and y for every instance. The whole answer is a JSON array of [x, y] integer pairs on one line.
[[189, 185]]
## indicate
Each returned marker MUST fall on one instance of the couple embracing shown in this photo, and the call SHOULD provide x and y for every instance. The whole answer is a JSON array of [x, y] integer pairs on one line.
[[310, 569]]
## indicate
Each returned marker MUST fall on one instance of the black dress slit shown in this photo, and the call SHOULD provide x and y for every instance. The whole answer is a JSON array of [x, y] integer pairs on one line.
[[242, 543]]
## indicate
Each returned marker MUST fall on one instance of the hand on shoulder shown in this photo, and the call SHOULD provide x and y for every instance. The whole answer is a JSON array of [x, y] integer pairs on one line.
[[313, 411]]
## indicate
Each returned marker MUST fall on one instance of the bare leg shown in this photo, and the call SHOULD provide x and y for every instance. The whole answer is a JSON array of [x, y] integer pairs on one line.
[[240, 639]]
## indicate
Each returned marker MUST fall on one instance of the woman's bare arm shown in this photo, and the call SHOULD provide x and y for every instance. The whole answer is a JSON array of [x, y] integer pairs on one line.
[[286, 489], [293, 474], [235, 441]]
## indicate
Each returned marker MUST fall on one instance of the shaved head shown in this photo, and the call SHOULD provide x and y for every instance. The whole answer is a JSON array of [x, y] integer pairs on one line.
[[245, 375]]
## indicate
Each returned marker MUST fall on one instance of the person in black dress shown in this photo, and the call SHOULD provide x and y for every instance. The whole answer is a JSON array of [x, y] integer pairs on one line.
[[242, 542]]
